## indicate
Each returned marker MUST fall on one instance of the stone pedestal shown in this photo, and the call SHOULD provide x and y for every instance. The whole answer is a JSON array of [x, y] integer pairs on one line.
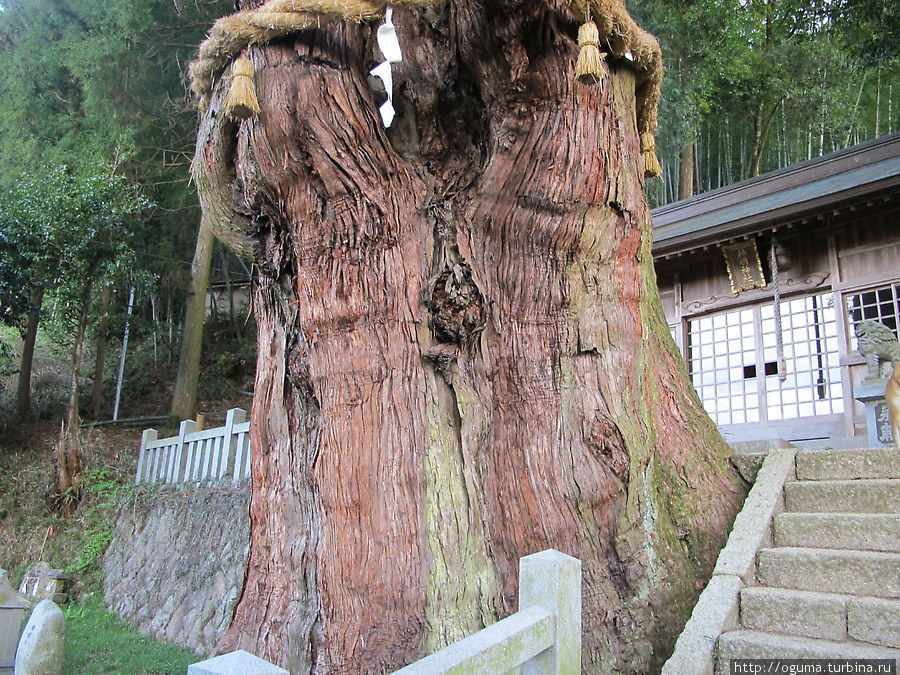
[[878, 421]]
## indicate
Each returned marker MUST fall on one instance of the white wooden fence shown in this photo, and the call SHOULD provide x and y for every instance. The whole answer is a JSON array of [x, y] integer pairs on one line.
[[211, 456]]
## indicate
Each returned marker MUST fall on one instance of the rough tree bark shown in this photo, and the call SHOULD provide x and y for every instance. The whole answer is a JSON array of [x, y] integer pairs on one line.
[[462, 352]]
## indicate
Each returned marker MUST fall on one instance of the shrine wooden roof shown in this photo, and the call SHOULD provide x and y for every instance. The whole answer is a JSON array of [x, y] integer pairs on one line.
[[864, 176]]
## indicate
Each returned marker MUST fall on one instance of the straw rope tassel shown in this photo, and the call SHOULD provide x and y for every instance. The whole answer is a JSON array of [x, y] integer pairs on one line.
[[652, 167], [589, 67], [241, 101]]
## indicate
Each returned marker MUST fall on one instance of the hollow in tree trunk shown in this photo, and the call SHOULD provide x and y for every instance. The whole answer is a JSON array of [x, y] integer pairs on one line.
[[462, 353]]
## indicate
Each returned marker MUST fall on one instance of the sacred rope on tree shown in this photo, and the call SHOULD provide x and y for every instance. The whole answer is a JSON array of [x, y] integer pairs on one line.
[[462, 354]]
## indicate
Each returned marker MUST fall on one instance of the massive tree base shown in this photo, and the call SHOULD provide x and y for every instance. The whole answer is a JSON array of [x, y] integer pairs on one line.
[[462, 353]]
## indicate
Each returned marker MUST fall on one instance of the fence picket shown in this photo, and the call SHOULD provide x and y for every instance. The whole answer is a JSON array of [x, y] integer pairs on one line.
[[224, 456], [147, 437], [542, 638], [238, 470], [186, 428], [234, 417], [207, 462], [157, 458], [210, 456], [213, 459], [189, 462], [198, 460], [224, 447], [247, 455]]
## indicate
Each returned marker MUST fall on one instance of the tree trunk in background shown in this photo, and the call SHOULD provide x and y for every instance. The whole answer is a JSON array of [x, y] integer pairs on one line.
[[69, 463], [29, 337], [463, 357], [232, 315], [100, 361], [686, 172], [184, 397], [762, 127]]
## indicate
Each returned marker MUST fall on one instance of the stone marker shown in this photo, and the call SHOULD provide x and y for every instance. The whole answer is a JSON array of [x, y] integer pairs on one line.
[[235, 663], [43, 582], [12, 611], [42, 649]]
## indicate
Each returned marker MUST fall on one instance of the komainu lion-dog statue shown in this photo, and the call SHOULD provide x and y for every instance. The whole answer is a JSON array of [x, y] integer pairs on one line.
[[892, 396], [879, 346]]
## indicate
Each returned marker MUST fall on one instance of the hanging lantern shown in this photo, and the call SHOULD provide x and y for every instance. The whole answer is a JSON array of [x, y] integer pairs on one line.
[[782, 256]]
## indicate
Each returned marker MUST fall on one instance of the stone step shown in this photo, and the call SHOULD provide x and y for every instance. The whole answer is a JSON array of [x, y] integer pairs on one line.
[[826, 616], [830, 570], [874, 620], [849, 464], [881, 495], [862, 531], [748, 644], [801, 613]]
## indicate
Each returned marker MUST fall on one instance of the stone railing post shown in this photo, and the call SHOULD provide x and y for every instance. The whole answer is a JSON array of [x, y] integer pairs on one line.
[[144, 465], [552, 580]]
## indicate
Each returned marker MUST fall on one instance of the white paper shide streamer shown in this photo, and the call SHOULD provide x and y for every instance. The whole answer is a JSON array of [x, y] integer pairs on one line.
[[390, 48]]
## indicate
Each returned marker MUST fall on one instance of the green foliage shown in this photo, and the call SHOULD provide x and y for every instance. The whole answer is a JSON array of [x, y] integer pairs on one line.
[[231, 364], [97, 541], [769, 82], [63, 230], [104, 489], [100, 481], [7, 362], [870, 29], [701, 39], [104, 81]]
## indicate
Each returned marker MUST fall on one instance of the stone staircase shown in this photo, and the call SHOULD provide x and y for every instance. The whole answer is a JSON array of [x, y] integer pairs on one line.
[[826, 582]]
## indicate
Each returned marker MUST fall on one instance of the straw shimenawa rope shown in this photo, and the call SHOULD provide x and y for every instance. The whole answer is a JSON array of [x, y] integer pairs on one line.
[[232, 34], [241, 102], [589, 67]]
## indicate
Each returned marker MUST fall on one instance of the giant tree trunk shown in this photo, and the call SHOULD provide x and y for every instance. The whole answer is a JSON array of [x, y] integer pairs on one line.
[[462, 353]]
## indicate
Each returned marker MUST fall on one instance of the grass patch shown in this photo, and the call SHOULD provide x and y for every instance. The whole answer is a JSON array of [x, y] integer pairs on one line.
[[98, 641]]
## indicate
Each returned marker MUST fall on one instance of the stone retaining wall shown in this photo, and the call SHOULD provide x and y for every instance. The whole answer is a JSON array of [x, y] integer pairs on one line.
[[176, 563]]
